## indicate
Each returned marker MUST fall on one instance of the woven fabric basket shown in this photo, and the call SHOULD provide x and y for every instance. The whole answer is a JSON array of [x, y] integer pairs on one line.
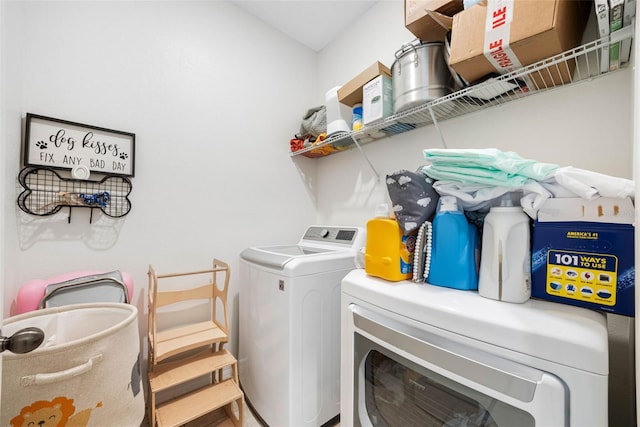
[[85, 373]]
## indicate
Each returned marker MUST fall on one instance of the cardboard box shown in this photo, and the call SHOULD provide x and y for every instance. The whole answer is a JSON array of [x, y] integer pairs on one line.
[[615, 24], [585, 263], [629, 12], [601, 8], [377, 100], [603, 209], [351, 93], [538, 30], [429, 20]]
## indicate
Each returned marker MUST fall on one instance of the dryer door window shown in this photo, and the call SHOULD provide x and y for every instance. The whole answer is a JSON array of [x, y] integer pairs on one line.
[[396, 395]]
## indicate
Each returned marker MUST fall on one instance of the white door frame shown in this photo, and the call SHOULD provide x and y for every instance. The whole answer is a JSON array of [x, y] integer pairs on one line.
[[2, 192]]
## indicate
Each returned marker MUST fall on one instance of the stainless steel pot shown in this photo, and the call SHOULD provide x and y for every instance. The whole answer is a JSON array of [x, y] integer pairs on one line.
[[420, 74]]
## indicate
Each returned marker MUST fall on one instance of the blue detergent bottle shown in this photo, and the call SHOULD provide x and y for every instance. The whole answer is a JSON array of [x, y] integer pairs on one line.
[[455, 248]]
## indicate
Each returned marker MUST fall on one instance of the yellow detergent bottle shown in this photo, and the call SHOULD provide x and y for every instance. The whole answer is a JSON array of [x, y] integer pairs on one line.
[[388, 252]]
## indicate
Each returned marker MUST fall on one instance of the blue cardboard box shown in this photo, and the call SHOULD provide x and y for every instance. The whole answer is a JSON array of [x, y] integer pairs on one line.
[[587, 264]]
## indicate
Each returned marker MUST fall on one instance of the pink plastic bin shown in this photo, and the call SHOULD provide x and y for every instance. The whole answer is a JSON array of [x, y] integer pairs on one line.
[[32, 292]]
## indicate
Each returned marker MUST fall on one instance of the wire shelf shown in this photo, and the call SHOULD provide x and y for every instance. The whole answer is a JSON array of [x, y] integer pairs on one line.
[[567, 68]]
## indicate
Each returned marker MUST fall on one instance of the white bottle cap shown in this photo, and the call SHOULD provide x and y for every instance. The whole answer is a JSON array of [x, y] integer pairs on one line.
[[448, 204], [382, 210], [506, 201]]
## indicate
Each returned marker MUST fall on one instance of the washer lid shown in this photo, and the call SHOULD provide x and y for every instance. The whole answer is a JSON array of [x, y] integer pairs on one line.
[[563, 334], [278, 256]]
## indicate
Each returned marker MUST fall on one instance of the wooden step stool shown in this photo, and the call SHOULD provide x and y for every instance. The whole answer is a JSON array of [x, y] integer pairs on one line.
[[173, 359]]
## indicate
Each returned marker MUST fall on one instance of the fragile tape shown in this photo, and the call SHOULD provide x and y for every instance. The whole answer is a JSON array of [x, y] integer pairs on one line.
[[496, 37]]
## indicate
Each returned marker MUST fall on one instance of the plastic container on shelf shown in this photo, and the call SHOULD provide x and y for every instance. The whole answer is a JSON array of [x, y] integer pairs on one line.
[[388, 252], [455, 247], [357, 117], [505, 265]]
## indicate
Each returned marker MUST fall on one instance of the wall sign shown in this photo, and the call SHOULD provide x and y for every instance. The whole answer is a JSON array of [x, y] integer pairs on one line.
[[68, 145]]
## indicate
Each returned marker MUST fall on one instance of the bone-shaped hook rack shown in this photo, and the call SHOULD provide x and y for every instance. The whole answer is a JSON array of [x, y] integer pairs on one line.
[[46, 192]]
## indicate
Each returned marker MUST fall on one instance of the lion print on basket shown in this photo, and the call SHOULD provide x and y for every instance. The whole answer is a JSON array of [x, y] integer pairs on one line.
[[56, 413]]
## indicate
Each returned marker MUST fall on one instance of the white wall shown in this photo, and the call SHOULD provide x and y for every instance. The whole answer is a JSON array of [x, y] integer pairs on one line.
[[2, 187], [213, 96]]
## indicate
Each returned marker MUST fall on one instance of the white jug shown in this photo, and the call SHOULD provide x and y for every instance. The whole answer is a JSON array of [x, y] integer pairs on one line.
[[505, 263]]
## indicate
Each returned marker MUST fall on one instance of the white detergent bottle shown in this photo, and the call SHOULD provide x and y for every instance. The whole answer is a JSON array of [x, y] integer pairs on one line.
[[505, 263]]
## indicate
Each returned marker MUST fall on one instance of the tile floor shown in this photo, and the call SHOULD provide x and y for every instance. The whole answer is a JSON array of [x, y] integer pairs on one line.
[[249, 419]]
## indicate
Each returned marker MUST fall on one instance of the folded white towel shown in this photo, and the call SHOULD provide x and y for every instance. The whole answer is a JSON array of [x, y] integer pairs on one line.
[[590, 185]]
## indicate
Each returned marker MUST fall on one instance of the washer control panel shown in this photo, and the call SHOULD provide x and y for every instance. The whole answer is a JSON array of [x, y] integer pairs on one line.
[[336, 235]]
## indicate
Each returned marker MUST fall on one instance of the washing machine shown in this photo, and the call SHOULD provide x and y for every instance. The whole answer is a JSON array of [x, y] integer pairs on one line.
[[421, 355], [289, 325]]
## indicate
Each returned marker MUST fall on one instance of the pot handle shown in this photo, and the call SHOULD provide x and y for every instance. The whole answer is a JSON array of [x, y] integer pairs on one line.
[[405, 48]]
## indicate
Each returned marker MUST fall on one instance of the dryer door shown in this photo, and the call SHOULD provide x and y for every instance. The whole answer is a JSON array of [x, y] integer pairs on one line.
[[405, 376]]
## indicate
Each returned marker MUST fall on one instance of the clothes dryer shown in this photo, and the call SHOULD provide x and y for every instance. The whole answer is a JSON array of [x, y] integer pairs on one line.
[[289, 356], [422, 355]]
